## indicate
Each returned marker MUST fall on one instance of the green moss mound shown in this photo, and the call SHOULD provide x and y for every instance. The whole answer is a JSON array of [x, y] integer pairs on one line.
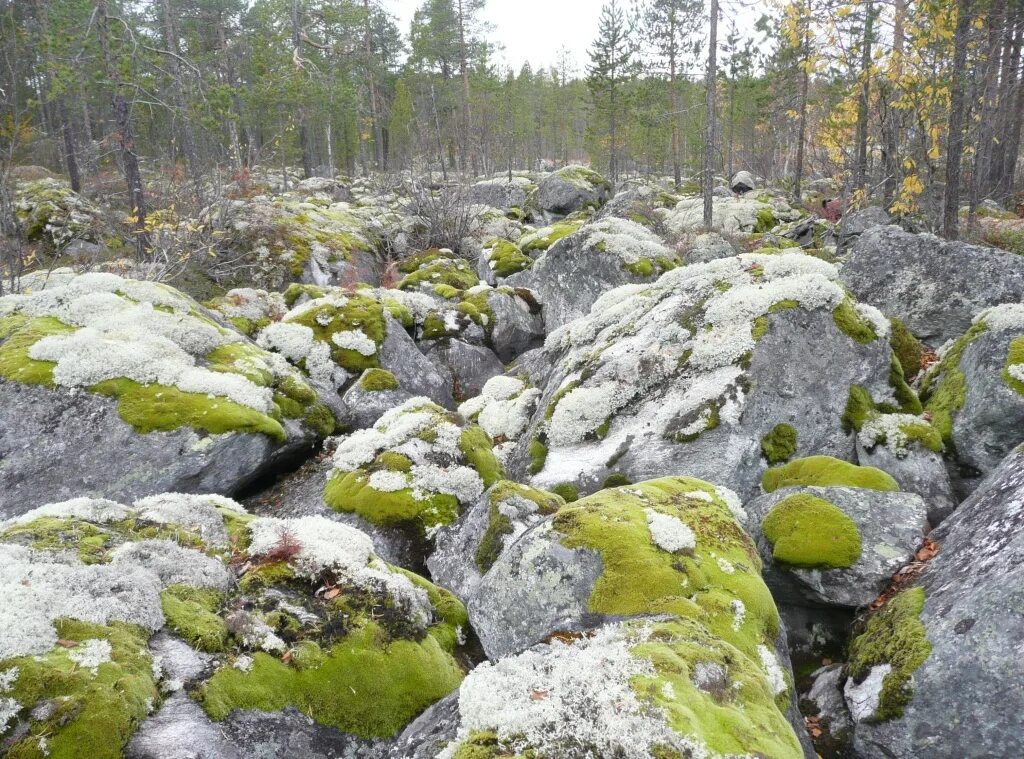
[[351, 492], [779, 444], [944, 387], [362, 685], [505, 258], [94, 715], [809, 532], [192, 613], [378, 380], [893, 635], [825, 471], [852, 324], [449, 272], [908, 349], [1014, 357]]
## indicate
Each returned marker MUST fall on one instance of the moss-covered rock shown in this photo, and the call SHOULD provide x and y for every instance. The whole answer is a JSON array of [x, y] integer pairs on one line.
[[49, 211], [809, 532], [779, 444], [504, 258], [826, 471], [415, 468]]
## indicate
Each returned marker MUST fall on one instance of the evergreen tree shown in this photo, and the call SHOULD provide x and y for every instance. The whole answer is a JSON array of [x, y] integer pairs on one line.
[[612, 59]]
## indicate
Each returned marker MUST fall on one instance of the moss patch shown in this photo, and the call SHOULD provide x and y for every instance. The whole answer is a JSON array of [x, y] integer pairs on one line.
[[851, 323], [907, 348], [566, 491], [779, 444], [809, 532], [351, 492], [505, 258], [1014, 357], [893, 635], [499, 525], [825, 471], [538, 455], [378, 380], [363, 685], [95, 715], [192, 613], [359, 313], [944, 388]]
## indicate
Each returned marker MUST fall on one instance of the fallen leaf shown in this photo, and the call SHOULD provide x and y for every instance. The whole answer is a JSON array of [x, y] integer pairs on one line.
[[538, 695], [332, 593]]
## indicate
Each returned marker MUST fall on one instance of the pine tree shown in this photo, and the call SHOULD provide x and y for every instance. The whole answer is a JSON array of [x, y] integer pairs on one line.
[[611, 68]]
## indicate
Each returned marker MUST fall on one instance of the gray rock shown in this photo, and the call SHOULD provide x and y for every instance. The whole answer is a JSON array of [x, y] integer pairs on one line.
[[708, 247], [518, 325], [416, 374], [858, 222], [100, 455], [920, 471], [500, 193], [468, 366], [290, 734], [934, 287], [535, 365], [180, 729], [965, 701], [427, 735], [537, 587], [891, 527], [179, 662], [569, 190], [367, 406], [826, 699], [742, 182]]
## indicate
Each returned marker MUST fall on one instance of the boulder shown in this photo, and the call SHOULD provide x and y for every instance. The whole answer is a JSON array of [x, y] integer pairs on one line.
[[671, 547], [742, 181], [288, 661], [469, 366], [730, 214], [835, 546], [501, 192], [135, 389], [570, 189], [929, 673], [708, 247], [693, 374], [572, 274], [935, 287]]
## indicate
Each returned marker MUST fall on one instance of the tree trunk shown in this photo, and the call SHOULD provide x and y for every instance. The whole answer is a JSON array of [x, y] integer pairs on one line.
[[467, 117], [955, 139], [986, 132], [893, 172], [677, 169], [801, 129], [188, 139], [123, 126], [865, 100], [304, 142], [709, 126], [68, 154], [378, 136]]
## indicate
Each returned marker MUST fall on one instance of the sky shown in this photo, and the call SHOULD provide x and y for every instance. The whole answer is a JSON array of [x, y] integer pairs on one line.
[[530, 30]]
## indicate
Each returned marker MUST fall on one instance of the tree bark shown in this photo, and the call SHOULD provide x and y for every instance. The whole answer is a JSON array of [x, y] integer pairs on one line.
[[891, 136], [709, 125], [378, 136], [957, 107], [865, 100], [801, 129], [188, 138], [304, 142]]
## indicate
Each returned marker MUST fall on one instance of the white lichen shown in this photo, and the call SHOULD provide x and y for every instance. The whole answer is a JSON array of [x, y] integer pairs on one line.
[[669, 533]]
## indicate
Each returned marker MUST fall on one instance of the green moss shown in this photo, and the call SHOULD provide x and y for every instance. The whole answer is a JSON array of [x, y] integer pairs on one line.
[[362, 686], [907, 348], [266, 575], [639, 578], [19, 334], [435, 328], [505, 258], [825, 471], [944, 388], [779, 444], [561, 393], [296, 291], [743, 718], [455, 274], [860, 407], [151, 408], [893, 635], [760, 328], [766, 221], [400, 313], [642, 268], [538, 455], [359, 313], [809, 532], [616, 480], [478, 308], [191, 612], [320, 419], [851, 324], [394, 462], [377, 380], [417, 260], [351, 492], [545, 237], [1014, 356], [906, 398], [245, 359], [478, 450], [566, 491], [94, 715], [446, 291]]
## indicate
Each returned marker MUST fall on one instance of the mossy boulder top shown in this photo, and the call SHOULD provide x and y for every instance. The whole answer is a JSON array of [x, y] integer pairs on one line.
[[693, 372], [153, 375], [415, 469], [299, 613], [571, 273], [49, 210], [834, 545], [932, 666]]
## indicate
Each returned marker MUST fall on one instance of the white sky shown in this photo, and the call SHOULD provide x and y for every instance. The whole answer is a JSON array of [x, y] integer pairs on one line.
[[530, 30]]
